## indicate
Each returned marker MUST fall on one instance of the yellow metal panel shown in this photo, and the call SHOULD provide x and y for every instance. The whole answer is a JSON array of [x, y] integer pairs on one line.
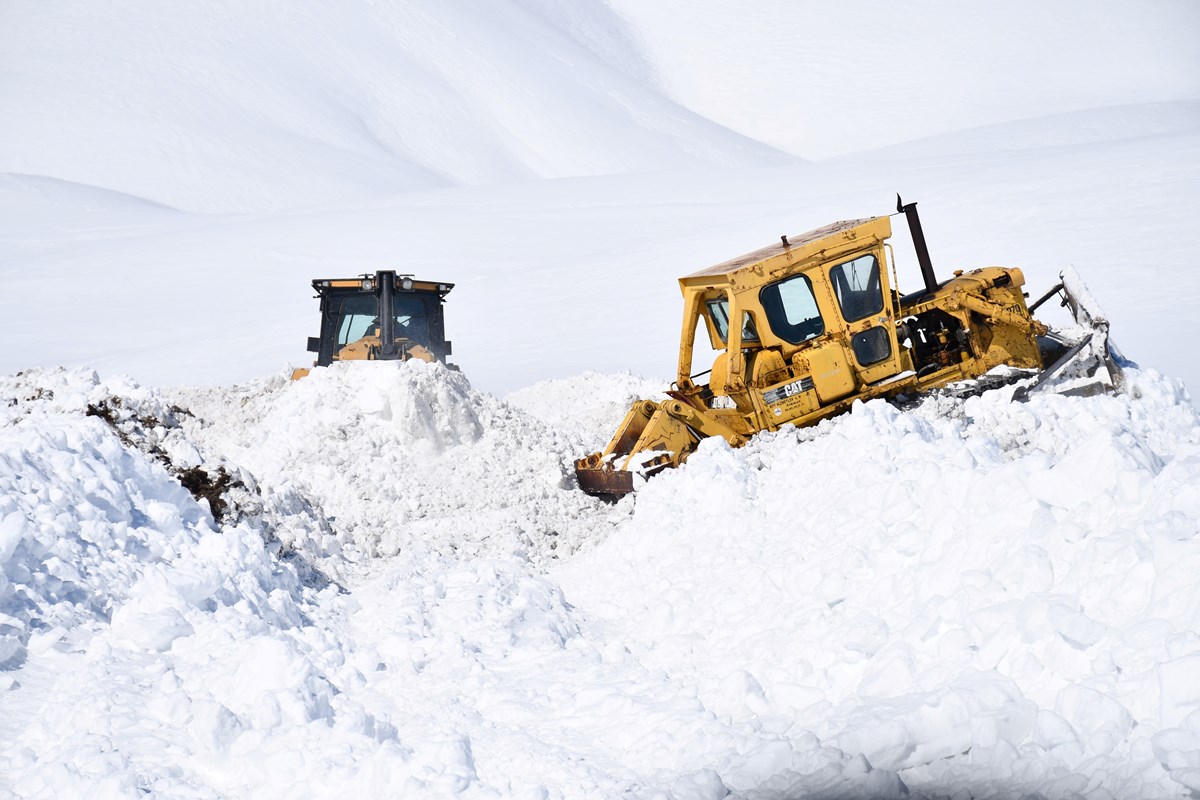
[[831, 373]]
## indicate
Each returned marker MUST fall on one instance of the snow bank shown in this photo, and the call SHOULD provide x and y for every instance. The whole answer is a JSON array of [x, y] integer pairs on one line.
[[112, 572], [992, 595], [187, 658], [973, 596], [81, 517], [155, 648]]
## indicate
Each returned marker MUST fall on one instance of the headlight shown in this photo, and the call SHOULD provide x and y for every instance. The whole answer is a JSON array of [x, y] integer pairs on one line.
[[368, 285], [406, 284]]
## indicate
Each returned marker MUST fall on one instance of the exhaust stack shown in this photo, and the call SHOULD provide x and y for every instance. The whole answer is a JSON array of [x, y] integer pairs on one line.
[[387, 314], [918, 237]]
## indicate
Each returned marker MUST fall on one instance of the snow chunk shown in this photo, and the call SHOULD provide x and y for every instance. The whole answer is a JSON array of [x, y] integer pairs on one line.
[[973, 711]]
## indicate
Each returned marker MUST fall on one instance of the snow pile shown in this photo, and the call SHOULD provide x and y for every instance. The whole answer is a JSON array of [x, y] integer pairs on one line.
[[404, 456], [186, 658], [587, 407], [993, 595], [977, 596], [81, 517], [380, 581], [146, 648]]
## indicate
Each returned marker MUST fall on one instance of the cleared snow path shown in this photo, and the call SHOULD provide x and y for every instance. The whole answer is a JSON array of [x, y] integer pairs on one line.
[[401, 593]]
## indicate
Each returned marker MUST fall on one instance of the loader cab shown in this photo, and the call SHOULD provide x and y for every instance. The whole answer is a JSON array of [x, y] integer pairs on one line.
[[384, 316]]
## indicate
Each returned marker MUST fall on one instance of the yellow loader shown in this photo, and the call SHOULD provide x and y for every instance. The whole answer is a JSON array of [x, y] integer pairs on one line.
[[384, 316], [806, 327]]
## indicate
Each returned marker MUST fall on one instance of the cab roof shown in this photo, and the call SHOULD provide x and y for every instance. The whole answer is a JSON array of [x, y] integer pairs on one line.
[[429, 287], [829, 241]]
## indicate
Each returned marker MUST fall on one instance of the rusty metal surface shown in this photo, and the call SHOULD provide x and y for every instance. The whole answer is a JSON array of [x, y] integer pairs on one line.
[[770, 251], [604, 482]]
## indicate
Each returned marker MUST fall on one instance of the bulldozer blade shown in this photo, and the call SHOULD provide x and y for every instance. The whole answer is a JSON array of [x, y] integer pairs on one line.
[[651, 438], [595, 473], [604, 481], [1089, 365]]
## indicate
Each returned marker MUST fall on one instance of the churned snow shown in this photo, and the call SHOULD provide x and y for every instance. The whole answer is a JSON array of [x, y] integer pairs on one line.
[[382, 580], [406, 593]]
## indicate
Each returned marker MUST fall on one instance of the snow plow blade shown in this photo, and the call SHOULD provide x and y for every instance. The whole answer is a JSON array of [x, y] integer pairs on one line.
[[1082, 362]]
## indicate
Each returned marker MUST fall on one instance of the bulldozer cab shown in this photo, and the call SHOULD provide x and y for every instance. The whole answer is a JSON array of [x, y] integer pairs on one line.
[[798, 325], [384, 316]]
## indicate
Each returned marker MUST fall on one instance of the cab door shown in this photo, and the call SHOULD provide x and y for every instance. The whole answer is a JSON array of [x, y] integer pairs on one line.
[[795, 315], [863, 297]]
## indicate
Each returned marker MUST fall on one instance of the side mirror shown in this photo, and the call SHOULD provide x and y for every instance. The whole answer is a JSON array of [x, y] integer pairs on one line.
[[314, 344], [449, 349]]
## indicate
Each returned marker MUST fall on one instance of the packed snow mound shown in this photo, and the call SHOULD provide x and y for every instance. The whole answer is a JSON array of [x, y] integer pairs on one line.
[[223, 106], [981, 594], [404, 456]]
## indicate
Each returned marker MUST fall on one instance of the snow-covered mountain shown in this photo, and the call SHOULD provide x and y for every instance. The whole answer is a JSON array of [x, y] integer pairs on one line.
[[382, 581], [225, 106], [823, 79]]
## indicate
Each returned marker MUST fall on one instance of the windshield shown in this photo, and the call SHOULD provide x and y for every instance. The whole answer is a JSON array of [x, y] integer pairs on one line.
[[412, 317], [856, 285], [358, 316], [357, 313]]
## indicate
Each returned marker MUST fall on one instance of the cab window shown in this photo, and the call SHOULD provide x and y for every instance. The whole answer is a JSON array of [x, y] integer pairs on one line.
[[412, 317], [856, 286], [792, 309], [356, 316], [718, 311]]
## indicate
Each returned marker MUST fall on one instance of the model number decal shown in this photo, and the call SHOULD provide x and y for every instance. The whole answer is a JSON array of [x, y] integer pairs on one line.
[[781, 393]]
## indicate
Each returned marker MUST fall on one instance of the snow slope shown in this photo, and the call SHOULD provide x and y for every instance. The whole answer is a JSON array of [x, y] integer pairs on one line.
[[224, 106], [824, 79]]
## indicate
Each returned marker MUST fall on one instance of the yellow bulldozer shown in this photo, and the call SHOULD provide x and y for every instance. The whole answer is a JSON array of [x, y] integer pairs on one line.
[[806, 327], [384, 316]]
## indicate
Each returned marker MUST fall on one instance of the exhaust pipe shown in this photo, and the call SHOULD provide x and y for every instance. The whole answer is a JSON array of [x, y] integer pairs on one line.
[[387, 315], [918, 237]]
